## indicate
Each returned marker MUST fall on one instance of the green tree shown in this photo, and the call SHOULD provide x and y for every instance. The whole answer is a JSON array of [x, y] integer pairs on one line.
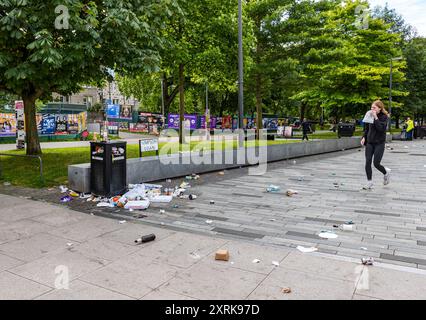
[[43, 52]]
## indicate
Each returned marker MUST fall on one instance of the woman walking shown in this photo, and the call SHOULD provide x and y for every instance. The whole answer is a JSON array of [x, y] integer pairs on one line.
[[374, 141]]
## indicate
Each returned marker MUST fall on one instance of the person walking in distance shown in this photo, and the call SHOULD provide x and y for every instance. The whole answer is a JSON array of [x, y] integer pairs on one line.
[[374, 139], [410, 129], [306, 128]]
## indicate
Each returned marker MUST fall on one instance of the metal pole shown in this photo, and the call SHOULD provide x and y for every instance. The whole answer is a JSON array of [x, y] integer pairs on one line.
[[162, 97], [207, 110], [390, 96], [240, 74]]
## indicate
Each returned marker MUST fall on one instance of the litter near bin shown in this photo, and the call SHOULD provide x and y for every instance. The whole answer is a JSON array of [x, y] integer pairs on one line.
[[306, 249], [73, 194], [192, 197], [222, 255], [144, 239], [367, 261], [291, 192], [272, 188], [162, 211], [137, 205], [105, 204], [327, 235], [63, 189], [66, 199], [286, 290], [85, 196]]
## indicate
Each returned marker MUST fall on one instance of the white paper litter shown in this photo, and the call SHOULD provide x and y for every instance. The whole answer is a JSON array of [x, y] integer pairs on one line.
[[209, 221], [160, 199], [105, 204], [195, 255], [328, 235], [306, 249], [63, 189], [69, 244], [256, 261], [122, 221], [138, 205], [276, 263]]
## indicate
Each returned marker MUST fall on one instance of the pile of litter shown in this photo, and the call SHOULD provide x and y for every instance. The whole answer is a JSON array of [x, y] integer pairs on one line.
[[139, 196]]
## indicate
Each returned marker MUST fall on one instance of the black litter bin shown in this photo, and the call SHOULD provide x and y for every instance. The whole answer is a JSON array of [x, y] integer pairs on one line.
[[108, 168], [345, 130], [419, 132]]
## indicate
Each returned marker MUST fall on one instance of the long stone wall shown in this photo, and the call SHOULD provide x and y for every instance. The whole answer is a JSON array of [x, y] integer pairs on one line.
[[177, 165]]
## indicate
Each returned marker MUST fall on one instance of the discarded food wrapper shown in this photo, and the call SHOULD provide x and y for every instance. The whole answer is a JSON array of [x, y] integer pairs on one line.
[[147, 238], [364, 248], [85, 196], [256, 261], [184, 185], [192, 197], [6, 183], [286, 290], [272, 188], [306, 250], [211, 201], [222, 255], [162, 211], [209, 221], [347, 227], [63, 189], [122, 221], [276, 263], [161, 199], [105, 204], [137, 205], [291, 192], [66, 199], [367, 261], [327, 235], [74, 194]]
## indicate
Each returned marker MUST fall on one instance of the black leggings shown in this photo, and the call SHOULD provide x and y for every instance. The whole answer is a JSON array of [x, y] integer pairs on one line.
[[376, 150]]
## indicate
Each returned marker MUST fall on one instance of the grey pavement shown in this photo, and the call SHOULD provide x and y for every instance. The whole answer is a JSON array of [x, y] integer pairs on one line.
[[41, 243], [59, 254]]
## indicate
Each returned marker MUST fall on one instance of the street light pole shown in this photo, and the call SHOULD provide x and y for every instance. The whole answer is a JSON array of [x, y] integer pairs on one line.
[[240, 75], [390, 90]]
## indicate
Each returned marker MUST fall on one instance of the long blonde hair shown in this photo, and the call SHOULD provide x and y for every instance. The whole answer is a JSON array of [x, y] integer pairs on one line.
[[379, 104]]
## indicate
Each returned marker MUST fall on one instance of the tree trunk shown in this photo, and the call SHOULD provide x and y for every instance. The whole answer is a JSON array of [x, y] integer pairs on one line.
[[31, 134], [259, 112], [302, 111], [181, 102]]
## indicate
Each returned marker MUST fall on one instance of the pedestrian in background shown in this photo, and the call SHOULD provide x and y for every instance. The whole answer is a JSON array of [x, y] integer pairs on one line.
[[306, 128], [410, 128], [374, 139]]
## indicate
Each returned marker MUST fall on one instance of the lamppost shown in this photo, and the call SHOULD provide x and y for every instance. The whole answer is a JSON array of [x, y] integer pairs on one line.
[[240, 75], [390, 90]]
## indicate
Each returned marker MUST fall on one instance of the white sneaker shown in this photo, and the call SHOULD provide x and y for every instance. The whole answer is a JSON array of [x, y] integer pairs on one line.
[[368, 186], [386, 178]]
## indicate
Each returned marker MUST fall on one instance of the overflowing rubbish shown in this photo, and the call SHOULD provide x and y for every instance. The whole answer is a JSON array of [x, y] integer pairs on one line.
[[144, 239], [66, 199], [306, 250], [286, 290], [63, 189], [367, 261], [222, 255], [84, 196], [327, 235], [272, 188]]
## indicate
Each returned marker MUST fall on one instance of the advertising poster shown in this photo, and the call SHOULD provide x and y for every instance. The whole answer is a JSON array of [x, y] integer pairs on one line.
[[20, 125], [227, 122], [173, 121], [47, 124], [212, 122], [82, 121], [218, 123], [72, 126], [61, 124], [7, 124], [235, 123], [113, 111], [270, 123], [139, 127], [126, 112], [113, 128], [123, 126]]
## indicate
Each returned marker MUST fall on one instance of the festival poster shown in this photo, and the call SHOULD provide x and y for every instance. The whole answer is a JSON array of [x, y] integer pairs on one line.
[[61, 124], [227, 122], [270, 123], [212, 122], [47, 124], [7, 124], [201, 122], [113, 111], [139, 127], [82, 121], [72, 125], [126, 112]]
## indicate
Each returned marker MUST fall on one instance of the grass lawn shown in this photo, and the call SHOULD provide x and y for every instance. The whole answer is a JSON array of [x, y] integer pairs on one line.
[[25, 171]]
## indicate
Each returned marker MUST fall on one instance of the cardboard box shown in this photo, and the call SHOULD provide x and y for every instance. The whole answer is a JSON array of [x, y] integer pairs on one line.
[[222, 255]]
